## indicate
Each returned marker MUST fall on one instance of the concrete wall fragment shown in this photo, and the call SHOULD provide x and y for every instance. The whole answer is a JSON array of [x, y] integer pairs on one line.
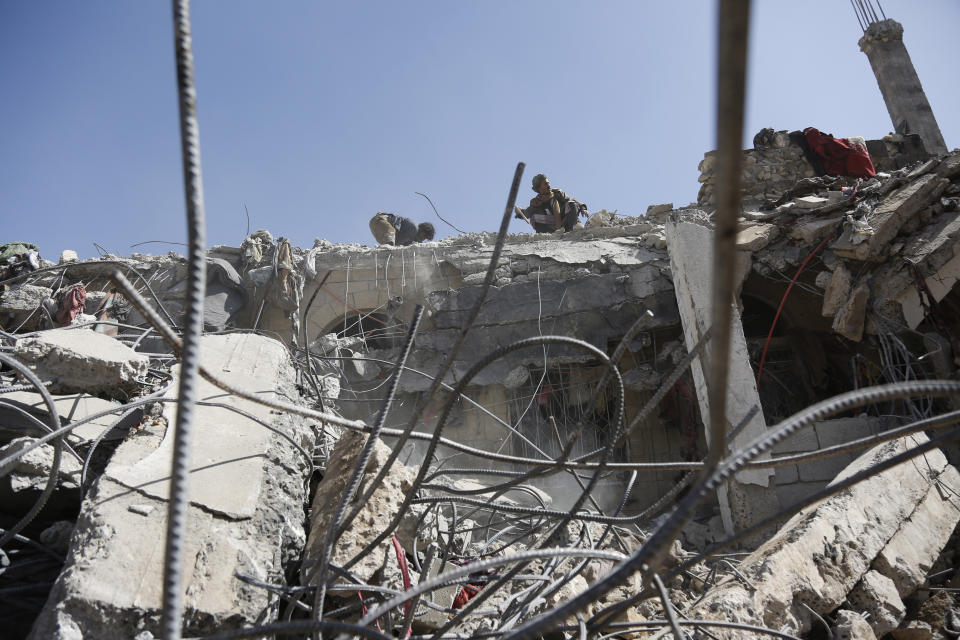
[[245, 515]]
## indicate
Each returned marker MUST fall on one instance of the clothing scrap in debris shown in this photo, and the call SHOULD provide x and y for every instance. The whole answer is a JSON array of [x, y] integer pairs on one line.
[[840, 156]]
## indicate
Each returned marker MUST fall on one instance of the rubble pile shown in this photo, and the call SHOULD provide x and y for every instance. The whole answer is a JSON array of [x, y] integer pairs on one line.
[[537, 473]]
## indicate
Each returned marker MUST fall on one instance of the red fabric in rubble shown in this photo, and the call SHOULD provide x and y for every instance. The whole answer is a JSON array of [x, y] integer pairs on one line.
[[841, 157]]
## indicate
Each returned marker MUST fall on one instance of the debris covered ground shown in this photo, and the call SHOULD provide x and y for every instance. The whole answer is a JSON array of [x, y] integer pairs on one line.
[[498, 436]]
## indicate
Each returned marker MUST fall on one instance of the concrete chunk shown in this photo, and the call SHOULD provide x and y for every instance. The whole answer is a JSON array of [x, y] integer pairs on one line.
[[812, 230], [244, 517], [750, 497], [890, 216], [756, 236], [83, 360], [910, 554], [23, 298], [837, 291], [380, 565], [852, 626], [877, 596], [822, 552], [851, 317], [811, 202], [30, 471], [949, 167], [76, 407]]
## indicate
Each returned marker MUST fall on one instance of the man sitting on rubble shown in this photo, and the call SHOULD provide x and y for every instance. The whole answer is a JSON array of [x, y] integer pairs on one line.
[[551, 209], [389, 228]]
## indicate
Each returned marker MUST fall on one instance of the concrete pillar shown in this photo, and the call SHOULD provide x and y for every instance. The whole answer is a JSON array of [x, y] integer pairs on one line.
[[900, 85], [749, 496]]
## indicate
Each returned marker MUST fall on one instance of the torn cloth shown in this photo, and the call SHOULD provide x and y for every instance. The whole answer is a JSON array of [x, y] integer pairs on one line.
[[70, 303], [841, 156]]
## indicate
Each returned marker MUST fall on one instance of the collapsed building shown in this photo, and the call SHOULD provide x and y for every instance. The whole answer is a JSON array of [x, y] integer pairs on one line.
[[537, 404], [503, 435]]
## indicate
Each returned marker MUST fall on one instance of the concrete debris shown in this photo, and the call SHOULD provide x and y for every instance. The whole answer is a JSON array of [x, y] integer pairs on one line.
[[510, 504], [21, 408], [57, 535], [245, 514], [655, 210], [813, 230], [876, 597], [911, 553], [889, 217], [850, 318], [379, 566], [818, 557], [810, 202], [837, 292], [756, 237], [31, 470], [83, 361], [851, 625], [601, 218]]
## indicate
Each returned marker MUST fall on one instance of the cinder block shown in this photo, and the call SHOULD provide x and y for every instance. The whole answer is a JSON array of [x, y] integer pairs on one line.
[[832, 432], [789, 494], [798, 442], [825, 469], [787, 474]]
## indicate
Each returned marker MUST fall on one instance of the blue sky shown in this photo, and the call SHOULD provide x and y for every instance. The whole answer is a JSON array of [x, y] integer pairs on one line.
[[316, 115]]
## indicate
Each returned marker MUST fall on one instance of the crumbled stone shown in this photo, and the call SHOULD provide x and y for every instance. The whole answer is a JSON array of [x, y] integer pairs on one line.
[[84, 361], [877, 596], [851, 625], [379, 566], [850, 318], [837, 292]]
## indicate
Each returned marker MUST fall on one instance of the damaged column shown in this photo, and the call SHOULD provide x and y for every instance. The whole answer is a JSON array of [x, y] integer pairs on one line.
[[900, 85], [245, 517], [749, 496]]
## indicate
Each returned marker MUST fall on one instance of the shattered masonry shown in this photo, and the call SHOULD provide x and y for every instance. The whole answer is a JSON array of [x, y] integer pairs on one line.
[[843, 284]]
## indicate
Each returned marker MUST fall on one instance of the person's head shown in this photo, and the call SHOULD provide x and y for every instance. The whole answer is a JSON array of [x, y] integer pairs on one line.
[[541, 183], [425, 231]]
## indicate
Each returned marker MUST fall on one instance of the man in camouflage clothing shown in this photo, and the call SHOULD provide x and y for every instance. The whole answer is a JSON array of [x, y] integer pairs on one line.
[[551, 209]]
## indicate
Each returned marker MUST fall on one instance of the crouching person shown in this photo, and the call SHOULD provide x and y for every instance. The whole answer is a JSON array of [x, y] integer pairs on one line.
[[389, 228], [551, 209]]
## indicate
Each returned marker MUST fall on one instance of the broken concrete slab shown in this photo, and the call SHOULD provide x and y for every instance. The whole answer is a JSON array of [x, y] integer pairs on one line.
[[850, 319], [380, 565], [911, 553], [23, 298], [811, 202], [655, 210], [818, 556], [914, 630], [931, 248], [756, 236], [837, 292], [939, 285], [245, 516], [31, 470], [812, 230], [81, 360], [876, 596], [71, 408], [889, 217], [851, 625], [691, 262], [949, 167]]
